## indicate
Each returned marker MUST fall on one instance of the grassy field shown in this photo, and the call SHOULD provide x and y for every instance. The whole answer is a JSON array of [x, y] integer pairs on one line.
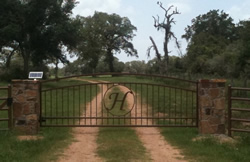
[[207, 149], [119, 144], [46, 149]]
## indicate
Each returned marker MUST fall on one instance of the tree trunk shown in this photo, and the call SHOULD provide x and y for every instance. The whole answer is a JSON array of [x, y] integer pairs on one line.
[[166, 57], [110, 60], [56, 70], [25, 65]]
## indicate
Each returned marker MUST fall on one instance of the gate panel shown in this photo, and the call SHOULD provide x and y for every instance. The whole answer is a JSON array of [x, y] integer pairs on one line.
[[119, 105], [5, 108], [238, 110]]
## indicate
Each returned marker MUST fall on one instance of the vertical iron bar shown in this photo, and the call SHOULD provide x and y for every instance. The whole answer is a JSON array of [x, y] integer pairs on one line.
[[197, 104], [152, 104], [136, 104], [85, 103], [192, 93], [107, 113], [96, 102], [147, 104], [175, 106], [51, 106], [73, 98], [141, 104], [90, 104], [9, 109], [41, 104], [79, 106], [187, 107], [62, 105], [130, 114], [181, 108], [68, 104], [56, 106], [164, 106], [229, 110], [169, 121], [45, 107], [102, 101], [158, 109]]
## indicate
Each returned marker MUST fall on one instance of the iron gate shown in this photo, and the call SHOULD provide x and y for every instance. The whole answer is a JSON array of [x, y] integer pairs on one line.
[[5, 108], [144, 103], [238, 110]]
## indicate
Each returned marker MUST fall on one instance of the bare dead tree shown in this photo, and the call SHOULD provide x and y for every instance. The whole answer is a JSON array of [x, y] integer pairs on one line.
[[165, 25]]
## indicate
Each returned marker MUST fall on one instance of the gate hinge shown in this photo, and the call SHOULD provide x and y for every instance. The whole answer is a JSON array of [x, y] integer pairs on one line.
[[9, 101], [42, 120]]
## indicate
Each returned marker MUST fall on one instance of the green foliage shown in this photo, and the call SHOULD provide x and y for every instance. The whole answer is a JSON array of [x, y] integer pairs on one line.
[[244, 59], [215, 22], [37, 29], [103, 36], [215, 45], [135, 67]]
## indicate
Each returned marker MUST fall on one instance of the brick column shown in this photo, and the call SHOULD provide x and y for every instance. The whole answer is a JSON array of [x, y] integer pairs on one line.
[[26, 106], [211, 95]]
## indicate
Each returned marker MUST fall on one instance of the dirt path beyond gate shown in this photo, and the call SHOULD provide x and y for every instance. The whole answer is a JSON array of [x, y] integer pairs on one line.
[[158, 148], [84, 149]]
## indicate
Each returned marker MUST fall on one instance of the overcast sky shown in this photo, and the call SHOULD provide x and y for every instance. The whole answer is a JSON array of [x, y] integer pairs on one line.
[[140, 13]]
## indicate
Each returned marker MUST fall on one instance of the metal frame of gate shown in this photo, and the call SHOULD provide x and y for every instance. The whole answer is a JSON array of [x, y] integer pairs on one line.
[[5, 105], [154, 105], [235, 95]]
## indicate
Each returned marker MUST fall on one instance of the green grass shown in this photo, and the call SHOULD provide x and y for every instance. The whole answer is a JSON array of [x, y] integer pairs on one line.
[[209, 149], [46, 149], [119, 144]]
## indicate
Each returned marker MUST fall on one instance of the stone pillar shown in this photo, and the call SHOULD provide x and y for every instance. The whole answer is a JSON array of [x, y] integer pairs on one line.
[[26, 106], [211, 96]]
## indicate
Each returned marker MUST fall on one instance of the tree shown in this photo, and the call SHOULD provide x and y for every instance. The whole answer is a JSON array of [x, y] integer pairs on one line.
[[135, 67], [208, 37], [37, 29], [165, 25], [244, 58], [214, 22], [106, 35]]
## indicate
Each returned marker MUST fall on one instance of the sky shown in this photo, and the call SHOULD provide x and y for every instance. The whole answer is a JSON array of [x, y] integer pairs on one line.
[[140, 13]]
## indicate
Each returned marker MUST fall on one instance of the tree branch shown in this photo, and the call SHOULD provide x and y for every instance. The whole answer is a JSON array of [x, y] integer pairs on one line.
[[158, 55]]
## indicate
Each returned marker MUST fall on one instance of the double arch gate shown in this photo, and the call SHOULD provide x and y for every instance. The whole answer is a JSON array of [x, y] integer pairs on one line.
[[119, 100]]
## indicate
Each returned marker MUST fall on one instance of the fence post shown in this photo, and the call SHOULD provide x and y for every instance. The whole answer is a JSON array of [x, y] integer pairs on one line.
[[211, 95], [26, 106]]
